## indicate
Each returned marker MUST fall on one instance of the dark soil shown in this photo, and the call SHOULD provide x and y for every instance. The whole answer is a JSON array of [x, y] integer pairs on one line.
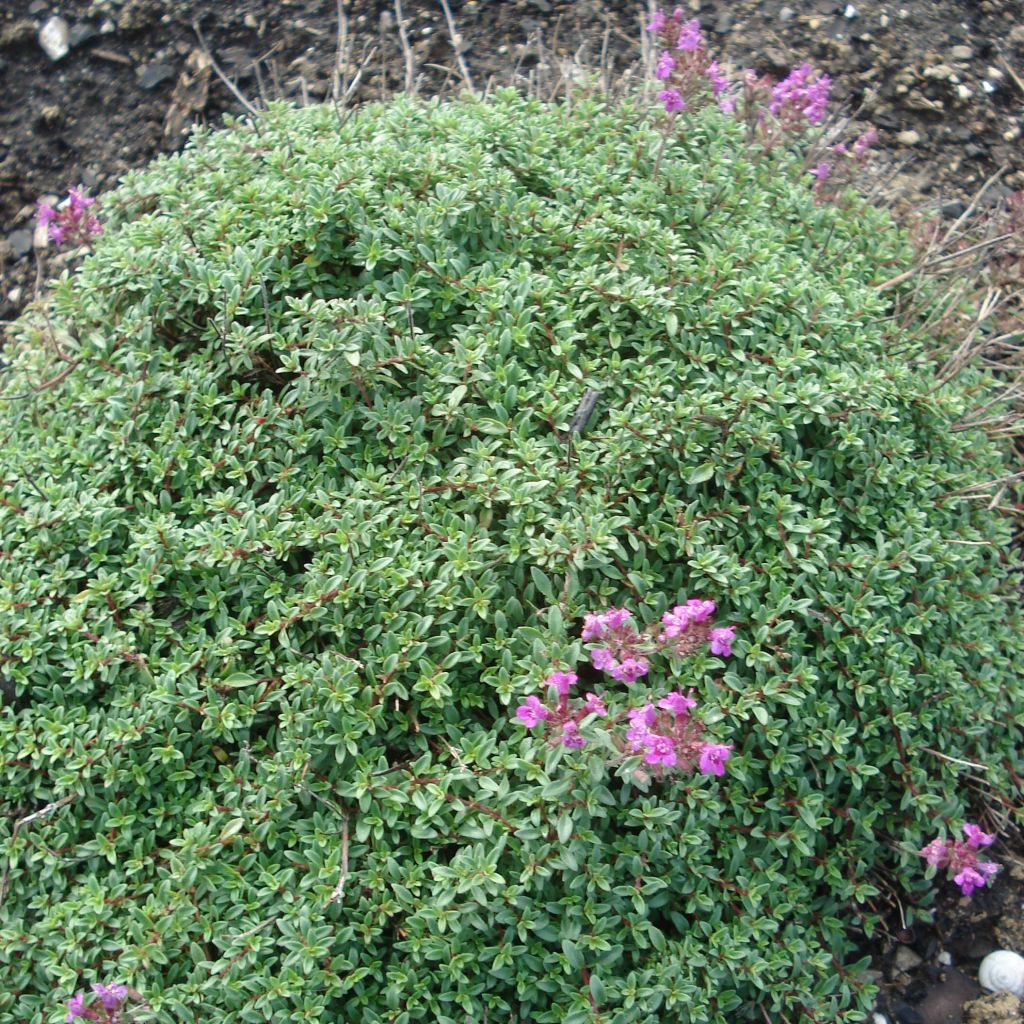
[[942, 80]]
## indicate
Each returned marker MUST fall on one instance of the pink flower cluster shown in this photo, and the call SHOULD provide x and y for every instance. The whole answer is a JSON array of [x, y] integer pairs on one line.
[[70, 221], [960, 858], [801, 95], [107, 1006], [669, 736], [664, 731], [684, 65], [774, 110]]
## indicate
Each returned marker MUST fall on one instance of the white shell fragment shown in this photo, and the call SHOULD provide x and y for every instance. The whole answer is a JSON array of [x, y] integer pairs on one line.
[[1003, 971], [54, 38]]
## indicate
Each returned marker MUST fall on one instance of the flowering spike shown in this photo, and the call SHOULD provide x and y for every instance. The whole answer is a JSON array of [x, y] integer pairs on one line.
[[690, 38], [672, 101]]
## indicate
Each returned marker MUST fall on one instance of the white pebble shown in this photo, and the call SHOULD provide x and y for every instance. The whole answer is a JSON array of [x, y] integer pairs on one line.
[[1003, 971], [53, 38]]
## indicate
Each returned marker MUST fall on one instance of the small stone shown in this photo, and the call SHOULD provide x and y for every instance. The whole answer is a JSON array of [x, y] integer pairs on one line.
[[787, 14], [14, 296], [945, 958], [883, 20], [962, 52], [107, 27], [19, 242], [850, 12], [723, 22], [17, 33], [153, 75], [249, 21], [906, 959], [82, 32], [50, 115], [879, 1018], [994, 73], [988, 87], [908, 138], [37, 7], [939, 71], [963, 93], [1017, 35], [54, 38]]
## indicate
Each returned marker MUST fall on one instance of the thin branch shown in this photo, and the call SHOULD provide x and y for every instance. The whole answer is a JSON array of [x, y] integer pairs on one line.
[[339, 889], [27, 820], [236, 92], [410, 67], [456, 38]]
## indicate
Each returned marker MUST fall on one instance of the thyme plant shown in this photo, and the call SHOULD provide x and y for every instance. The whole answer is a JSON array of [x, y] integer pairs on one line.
[[292, 521]]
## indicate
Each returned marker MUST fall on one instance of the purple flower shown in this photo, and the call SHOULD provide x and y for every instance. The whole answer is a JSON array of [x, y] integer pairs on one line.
[[864, 142], [817, 99], [839, 149], [674, 103], [640, 721], [719, 82], [595, 706], [571, 738], [78, 202], [721, 640], [76, 1007], [70, 221], [616, 618], [593, 627], [666, 66], [532, 712], [603, 660], [820, 172], [969, 880], [936, 852], [690, 38], [660, 749], [713, 757], [727, 104], [805, 90], [658, 23], [976, 838], [678, 620], [645, 714], [630, 670], [111, 996], [562, 682], [680, 704]]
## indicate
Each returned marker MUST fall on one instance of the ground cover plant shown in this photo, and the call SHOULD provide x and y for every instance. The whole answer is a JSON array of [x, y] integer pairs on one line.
[[298, 509]]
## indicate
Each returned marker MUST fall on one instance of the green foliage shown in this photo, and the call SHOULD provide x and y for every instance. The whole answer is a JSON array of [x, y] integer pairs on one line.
[[301, 524]]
